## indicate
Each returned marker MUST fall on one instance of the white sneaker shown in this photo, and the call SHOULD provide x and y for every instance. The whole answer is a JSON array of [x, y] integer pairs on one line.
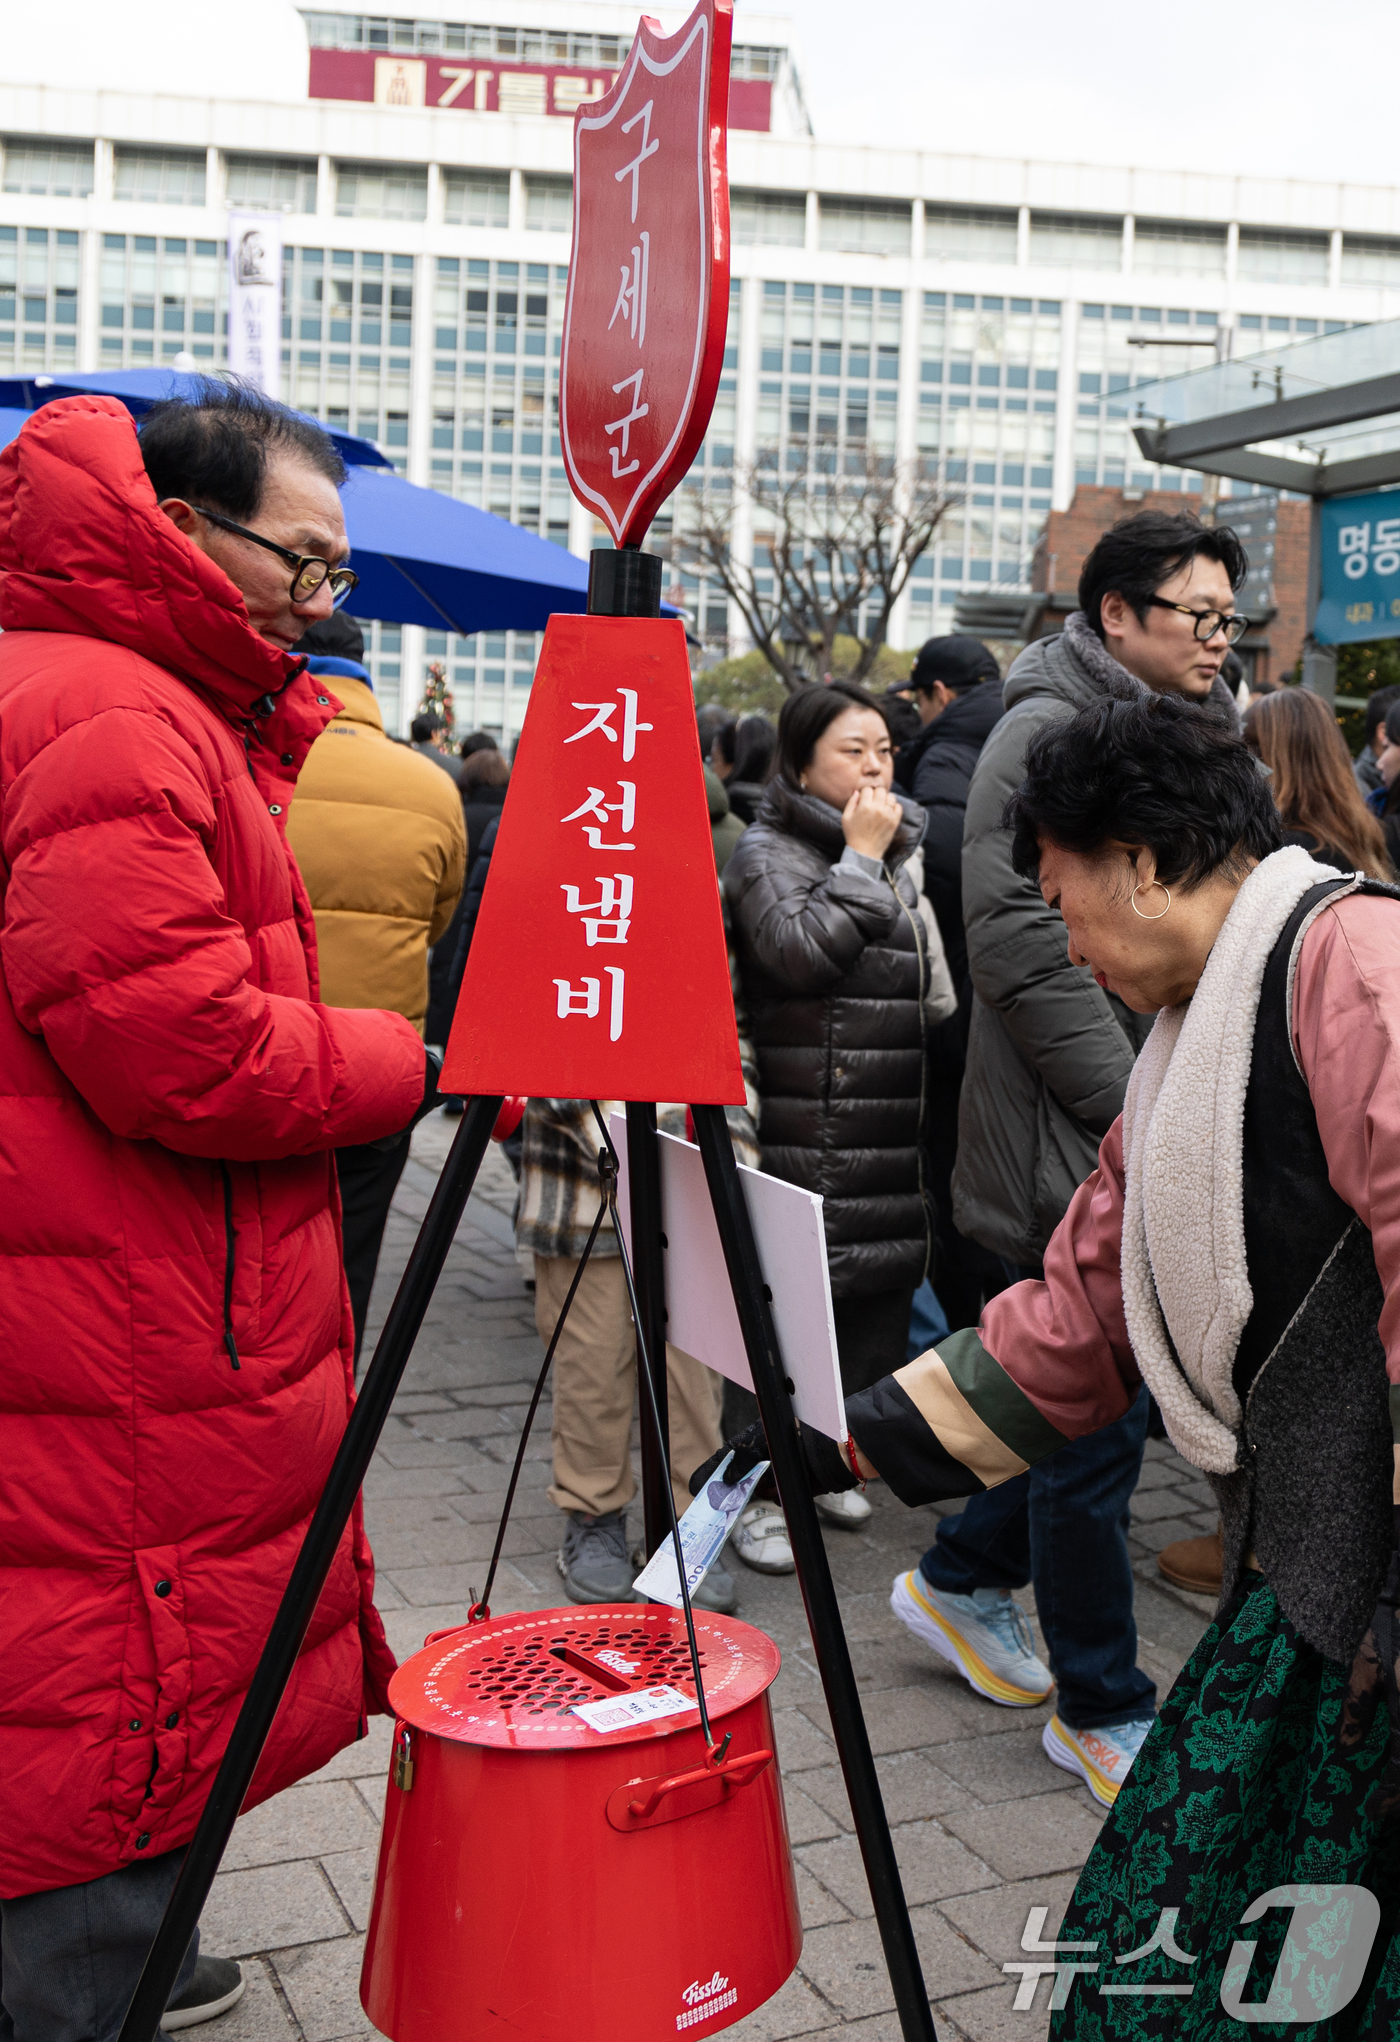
[[846, 1507], [1102, 1758], [761, 1540], [985, 1635]]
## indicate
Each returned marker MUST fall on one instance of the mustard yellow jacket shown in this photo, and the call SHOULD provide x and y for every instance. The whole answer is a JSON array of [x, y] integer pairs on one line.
[[379, 837]]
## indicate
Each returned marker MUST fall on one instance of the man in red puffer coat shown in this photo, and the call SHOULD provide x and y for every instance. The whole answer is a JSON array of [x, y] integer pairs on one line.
[[175, 1335]]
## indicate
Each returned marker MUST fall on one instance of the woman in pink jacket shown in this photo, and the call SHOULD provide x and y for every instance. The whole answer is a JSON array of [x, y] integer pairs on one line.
[[1238, 1248]]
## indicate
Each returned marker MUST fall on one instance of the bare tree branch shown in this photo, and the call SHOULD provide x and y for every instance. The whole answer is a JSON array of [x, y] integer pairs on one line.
[[835, 542]]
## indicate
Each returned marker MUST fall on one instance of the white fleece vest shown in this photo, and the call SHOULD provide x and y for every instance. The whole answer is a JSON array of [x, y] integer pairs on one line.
[[1185, 1280]]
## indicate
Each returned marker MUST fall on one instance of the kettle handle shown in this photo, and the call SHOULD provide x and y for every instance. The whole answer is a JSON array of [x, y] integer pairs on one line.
[[735, 1772]]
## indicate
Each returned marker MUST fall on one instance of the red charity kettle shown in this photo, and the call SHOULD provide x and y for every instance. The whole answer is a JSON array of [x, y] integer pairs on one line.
[[544, 1878]]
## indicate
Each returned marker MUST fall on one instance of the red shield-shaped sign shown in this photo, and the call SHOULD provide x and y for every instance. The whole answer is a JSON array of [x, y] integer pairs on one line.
[[649, 281]]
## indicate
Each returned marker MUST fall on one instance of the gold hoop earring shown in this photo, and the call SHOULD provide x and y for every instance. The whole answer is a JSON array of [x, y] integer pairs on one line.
[[1138, 911]]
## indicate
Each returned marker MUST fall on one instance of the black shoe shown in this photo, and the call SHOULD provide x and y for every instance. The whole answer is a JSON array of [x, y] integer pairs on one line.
[[217, 1985]]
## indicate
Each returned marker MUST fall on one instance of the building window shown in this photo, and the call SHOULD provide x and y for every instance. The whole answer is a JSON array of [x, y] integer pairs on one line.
[[756, 60], [384, 658], [864, 226], [272, 184], [485, 694], [1076, 241], [549, 205], [39, 288], [583, 48], [768, 219], [165, 177], [48, 170], [369, 191], [1368, 261], [361, 304], [159, 296], [968, 234], [1178, 248], [495, 390], [476, 198], [1270, 258]]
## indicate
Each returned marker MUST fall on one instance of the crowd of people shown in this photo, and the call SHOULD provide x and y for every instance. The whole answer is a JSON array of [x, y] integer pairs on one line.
[[1066, 991]]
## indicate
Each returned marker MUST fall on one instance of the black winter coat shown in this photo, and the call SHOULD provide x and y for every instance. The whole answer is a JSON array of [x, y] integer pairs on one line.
[[481, 806], [477, 873], [744, 798], [834, 970], [940, 767]]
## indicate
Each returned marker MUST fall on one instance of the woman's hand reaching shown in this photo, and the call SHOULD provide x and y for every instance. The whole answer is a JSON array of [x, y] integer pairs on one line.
[[869, 820]]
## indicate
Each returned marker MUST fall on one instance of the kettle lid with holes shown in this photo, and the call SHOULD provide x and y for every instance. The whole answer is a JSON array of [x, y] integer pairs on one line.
[[514, 1681]]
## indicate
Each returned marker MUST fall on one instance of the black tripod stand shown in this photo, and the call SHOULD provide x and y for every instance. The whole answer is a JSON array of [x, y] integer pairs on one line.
[[624, 583], [367, 1421]]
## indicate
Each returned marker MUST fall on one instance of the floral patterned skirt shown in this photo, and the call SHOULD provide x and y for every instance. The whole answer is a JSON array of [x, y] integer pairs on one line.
[[1241, 1788]]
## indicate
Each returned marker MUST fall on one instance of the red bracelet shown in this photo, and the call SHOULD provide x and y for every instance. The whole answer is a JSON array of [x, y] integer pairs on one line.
[[855, 1464]]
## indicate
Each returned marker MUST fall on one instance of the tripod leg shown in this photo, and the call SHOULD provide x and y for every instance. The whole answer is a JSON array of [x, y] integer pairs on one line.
[[649, 1275], [308, 1575], [813, 1574]]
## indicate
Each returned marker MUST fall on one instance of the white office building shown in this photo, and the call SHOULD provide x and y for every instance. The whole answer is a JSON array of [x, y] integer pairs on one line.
[[989, 314]]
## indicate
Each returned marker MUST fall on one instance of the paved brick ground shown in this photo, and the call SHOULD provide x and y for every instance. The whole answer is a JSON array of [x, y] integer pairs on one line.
[[985, 1826]]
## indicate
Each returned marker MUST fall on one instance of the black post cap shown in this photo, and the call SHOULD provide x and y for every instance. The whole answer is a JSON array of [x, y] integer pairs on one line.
[[624, 582]]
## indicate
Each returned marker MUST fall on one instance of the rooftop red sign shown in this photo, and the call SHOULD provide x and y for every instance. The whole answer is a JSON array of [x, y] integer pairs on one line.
[[485, 85], [649, 280]]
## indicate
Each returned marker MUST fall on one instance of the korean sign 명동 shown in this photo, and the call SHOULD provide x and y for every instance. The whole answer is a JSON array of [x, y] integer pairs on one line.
[[649, 281], [598, 968], [1360, 595]]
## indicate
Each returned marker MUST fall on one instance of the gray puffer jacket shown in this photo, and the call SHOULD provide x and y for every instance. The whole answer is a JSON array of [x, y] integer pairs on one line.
[[1049, 1053], [834, 966]]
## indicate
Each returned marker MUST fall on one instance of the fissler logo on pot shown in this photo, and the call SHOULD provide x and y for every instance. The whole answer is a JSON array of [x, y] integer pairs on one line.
[[706, 2000], [616, 1661]]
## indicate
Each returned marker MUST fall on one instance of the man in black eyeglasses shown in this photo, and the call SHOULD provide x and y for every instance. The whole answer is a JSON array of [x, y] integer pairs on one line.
[[1048, 1059], [291, 570], [176, 1342]]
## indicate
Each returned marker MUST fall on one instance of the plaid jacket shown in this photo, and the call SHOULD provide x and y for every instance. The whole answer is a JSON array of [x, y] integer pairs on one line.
[[559, 1193]]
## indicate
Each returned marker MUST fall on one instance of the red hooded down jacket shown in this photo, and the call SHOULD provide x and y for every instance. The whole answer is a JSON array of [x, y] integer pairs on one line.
[[175, 1336]]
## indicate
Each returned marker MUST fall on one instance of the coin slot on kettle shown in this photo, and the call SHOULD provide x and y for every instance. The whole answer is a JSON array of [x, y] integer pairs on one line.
[[613, 1679]]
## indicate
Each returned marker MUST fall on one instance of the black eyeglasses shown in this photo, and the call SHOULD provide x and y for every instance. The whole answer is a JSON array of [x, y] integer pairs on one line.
[[1208, 622], [309, 572]]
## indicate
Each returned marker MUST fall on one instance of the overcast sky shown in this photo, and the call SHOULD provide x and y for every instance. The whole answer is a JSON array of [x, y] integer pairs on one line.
[[1286, 87]]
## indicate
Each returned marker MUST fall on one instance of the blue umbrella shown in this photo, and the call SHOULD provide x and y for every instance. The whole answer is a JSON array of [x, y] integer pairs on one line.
[[139, 389], [422, 558], [427, 559]]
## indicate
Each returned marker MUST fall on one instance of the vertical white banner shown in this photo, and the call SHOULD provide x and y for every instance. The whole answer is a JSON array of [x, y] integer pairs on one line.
[[255, 299]]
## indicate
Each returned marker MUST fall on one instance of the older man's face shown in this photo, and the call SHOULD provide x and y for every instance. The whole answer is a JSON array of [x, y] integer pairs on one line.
[[300, 510]]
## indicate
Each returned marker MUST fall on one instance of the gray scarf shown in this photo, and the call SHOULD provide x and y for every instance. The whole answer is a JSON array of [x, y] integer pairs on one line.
[[1115, 680]]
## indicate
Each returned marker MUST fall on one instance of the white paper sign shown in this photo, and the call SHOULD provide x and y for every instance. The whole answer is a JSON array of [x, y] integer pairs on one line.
[[255, 299], [704, 1529], [702, 1319], [620, 1712]]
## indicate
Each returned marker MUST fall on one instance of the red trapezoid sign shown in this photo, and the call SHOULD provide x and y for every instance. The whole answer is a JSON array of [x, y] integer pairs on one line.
[[598, 967], [649, 280]]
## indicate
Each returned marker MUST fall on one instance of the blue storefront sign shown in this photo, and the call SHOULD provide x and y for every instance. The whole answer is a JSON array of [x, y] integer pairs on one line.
[[1360, 595]]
